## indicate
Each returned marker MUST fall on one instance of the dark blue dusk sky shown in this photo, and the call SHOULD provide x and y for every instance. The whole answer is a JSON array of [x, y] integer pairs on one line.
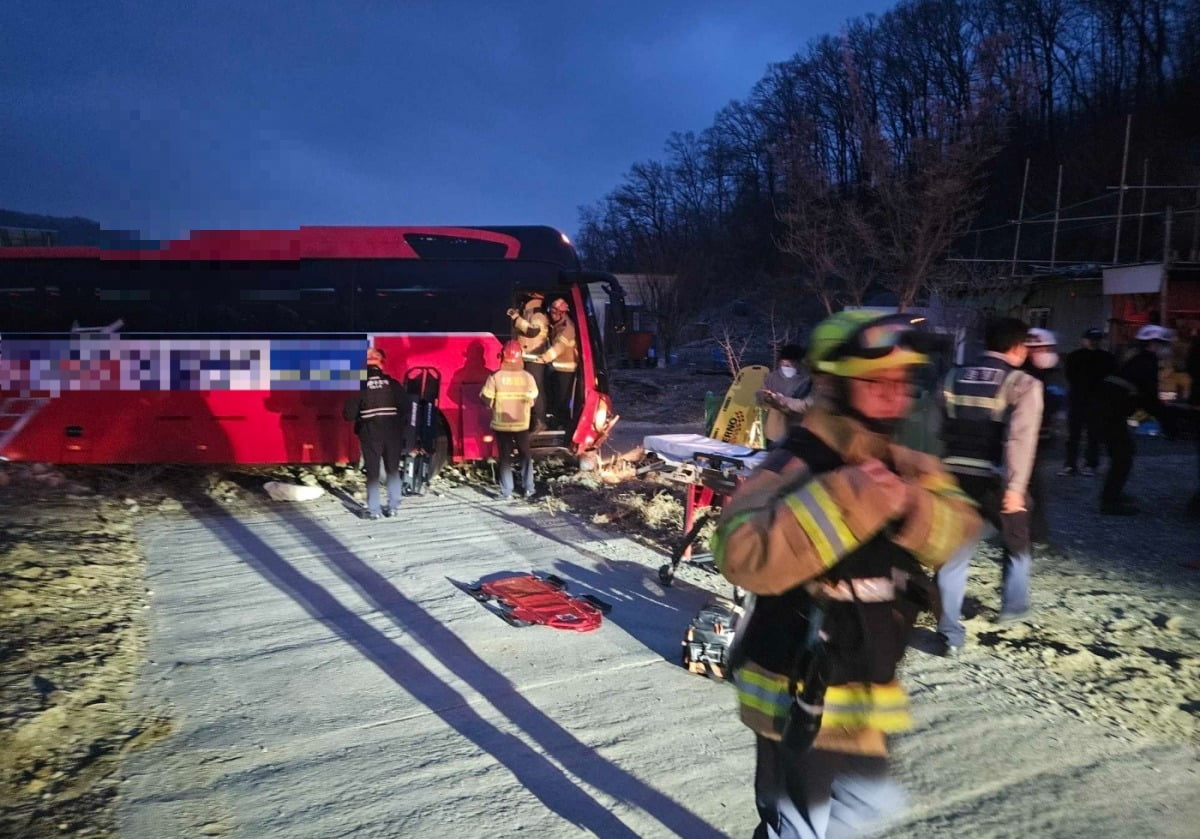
[[166, 115]]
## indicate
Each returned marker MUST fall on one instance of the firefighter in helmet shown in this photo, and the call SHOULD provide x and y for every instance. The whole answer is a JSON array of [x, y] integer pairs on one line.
[[563, 358], [531, 329], [831, 535], [511, 392]]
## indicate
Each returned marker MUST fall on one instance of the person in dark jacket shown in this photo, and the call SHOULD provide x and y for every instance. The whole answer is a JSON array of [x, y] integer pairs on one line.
[[378, 412], [1134, 387], [1086, 368], [993, 416]]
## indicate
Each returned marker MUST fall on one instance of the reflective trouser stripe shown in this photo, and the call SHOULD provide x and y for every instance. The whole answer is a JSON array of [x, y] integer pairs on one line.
[[858, 705], [764, 703], [763, 699], [822, 522]]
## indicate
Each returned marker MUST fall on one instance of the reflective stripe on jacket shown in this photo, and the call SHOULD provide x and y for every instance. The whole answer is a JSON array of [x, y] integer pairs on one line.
[[510, 394], [381, 397]]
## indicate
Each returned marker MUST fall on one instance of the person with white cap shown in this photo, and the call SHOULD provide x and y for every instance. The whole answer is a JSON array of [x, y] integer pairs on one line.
[[1132, 388]]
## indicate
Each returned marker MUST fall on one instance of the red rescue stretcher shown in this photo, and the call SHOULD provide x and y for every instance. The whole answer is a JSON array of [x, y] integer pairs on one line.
[[528, 599]]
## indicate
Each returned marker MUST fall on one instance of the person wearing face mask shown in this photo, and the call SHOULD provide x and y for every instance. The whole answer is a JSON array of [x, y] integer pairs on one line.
[[993, 412], [1132, 388], [1042, 364], [786, 393], [378, 411]]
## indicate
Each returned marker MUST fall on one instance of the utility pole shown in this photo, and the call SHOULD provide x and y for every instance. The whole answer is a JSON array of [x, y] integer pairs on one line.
[[1194, 252], [1020, 215], [1122, 188], [1142, 211], [1057, 207], [1166, 269]]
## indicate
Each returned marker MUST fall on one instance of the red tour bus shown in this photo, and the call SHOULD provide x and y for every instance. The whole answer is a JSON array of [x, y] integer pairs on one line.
[[241, 346]]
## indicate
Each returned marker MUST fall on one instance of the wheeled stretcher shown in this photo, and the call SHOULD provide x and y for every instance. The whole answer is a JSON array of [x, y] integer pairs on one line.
[[710, 471]]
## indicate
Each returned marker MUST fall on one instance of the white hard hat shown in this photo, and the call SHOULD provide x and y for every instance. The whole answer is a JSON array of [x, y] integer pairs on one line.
[[1154, 332], [1038, 337]]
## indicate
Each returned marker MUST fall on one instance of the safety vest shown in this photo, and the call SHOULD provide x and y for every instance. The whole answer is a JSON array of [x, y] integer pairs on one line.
[[978, 402], [511, 394], [864, 625]]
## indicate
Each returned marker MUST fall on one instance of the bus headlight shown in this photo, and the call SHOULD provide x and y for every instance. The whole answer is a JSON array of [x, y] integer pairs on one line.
[[600, 418]]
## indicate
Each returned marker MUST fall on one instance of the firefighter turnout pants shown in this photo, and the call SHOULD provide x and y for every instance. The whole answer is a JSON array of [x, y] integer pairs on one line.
[[820, 794]]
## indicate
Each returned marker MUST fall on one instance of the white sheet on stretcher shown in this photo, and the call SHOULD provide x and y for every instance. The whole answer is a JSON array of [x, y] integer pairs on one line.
[[680, 448]]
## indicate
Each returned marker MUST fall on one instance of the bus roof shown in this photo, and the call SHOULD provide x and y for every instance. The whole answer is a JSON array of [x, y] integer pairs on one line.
[[326, 242]]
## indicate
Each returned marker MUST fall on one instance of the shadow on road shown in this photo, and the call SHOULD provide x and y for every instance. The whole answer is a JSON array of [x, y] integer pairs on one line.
[[532, 768]]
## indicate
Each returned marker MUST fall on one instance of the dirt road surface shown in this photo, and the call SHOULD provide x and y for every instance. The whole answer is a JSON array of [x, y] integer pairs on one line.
[[181, 656]]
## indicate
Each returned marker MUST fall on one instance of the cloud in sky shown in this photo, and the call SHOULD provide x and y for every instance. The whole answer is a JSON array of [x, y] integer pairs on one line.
[[166, 116]]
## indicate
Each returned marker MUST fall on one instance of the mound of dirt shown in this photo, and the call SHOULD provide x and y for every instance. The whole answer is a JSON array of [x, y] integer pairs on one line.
[[72, 637]]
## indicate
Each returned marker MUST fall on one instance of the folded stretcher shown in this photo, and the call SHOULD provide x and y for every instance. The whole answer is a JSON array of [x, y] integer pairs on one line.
[[711, 470]]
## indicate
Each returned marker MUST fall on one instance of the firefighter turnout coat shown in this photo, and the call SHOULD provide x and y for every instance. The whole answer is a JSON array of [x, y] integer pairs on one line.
[[807, 528], [510, 393], [532, 331], [564, 352]]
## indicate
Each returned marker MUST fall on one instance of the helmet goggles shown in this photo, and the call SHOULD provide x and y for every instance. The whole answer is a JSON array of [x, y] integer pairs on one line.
[[879, 338], [879, 344]]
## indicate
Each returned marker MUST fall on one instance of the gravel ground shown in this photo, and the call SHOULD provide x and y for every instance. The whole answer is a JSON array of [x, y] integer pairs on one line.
[[1115, 637]]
